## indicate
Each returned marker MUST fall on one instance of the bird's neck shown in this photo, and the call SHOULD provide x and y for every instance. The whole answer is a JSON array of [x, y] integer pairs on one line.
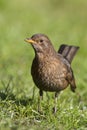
[[45, 55]]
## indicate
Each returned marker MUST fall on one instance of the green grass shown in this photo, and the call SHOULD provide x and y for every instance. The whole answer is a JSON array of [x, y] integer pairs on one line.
[[64, 21]]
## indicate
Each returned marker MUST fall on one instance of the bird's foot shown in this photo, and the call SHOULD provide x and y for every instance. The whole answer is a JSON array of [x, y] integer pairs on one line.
[[54, 110]]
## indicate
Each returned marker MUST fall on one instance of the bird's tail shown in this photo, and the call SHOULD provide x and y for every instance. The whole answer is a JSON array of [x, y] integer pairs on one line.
[[68, 52]]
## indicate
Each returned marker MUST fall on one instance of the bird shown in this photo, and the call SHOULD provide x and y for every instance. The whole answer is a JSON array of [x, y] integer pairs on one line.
[[51, 70]]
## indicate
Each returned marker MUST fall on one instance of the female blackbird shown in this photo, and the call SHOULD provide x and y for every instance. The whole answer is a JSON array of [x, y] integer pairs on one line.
[[51, 70]]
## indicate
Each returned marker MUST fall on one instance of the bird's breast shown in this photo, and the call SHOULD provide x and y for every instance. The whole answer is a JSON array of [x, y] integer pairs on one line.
[[49, 75]]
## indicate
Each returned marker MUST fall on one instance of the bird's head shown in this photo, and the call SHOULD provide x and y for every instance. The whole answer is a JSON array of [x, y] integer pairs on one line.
[[40, 43]]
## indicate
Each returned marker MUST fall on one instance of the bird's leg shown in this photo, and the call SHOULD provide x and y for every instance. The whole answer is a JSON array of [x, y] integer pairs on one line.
[[55, 102], [48, 98], [39, 100]]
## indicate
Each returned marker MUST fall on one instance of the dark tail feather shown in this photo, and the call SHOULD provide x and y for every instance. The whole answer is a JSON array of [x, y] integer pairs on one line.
[[68, 52]]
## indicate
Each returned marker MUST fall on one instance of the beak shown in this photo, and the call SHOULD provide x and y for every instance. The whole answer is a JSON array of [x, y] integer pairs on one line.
[[29, 40]]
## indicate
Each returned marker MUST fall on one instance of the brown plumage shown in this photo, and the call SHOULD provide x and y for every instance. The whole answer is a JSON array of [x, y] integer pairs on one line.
[[51, 70]]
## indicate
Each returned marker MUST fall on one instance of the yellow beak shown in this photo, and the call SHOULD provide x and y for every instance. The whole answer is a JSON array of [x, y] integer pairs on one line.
[[29, 40]]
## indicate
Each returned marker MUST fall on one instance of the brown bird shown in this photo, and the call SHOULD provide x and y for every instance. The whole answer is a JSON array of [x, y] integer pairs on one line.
[[51, 70]]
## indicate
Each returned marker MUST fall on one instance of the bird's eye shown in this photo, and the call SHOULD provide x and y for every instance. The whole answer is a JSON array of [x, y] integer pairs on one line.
[[41, 40]]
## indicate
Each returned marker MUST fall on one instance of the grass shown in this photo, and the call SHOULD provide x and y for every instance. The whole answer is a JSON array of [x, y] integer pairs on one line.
[[63, 21]]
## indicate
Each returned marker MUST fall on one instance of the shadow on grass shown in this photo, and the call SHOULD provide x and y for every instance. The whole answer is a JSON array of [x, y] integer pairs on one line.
[[7, 94], [23, 101]]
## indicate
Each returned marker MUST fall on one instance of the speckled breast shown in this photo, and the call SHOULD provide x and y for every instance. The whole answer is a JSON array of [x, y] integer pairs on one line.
[[49, 76]]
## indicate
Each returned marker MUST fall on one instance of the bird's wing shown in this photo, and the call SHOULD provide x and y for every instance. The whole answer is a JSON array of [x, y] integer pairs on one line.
[[68, 52]]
